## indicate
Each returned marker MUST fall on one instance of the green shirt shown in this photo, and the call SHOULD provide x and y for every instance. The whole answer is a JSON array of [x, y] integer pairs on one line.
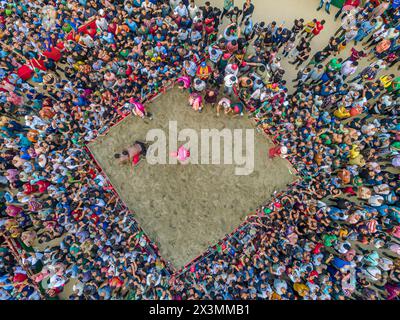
[[228, 4], [124, 53], [149, 53], [396, 84], [335, 65], [66, 28], [329, 240]]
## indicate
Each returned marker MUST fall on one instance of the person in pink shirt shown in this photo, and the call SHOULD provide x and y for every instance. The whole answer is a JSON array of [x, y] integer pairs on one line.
[[196, 101], [183, 155]]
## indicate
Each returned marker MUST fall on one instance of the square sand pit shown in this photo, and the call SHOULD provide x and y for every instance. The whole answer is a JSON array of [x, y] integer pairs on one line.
[[186, 209]]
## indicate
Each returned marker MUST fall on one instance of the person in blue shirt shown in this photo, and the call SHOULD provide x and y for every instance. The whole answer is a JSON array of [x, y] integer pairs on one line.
[[248, 28], [195, 36], [185, 23], [277, 37], [230, 32], [158, 37], [160, 49], [132, 25], [365, 29], [326, 90], [108, 37]]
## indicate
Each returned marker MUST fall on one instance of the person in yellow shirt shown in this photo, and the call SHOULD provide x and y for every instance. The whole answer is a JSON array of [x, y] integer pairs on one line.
[[309, 27], [354, 152], [342, 113], [387, 80], [356, 157], [301, 289]]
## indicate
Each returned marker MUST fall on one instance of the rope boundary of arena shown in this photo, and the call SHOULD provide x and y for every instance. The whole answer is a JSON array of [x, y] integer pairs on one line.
[[151, 247]]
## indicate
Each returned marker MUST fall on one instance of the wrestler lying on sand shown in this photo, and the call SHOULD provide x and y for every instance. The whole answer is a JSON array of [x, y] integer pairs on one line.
[[132, 154]]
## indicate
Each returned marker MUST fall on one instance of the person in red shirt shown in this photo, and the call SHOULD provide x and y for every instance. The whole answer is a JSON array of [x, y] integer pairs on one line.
[[319, 26], [348, 4], [356, 55]]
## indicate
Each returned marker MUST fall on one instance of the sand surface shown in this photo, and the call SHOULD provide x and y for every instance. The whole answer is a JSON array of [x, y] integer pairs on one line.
[[185, 209]]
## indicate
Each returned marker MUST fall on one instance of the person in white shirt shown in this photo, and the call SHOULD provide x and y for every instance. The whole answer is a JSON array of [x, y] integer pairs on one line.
[[193, 9], [231, 69], [198, 17], [102, 23], [148, 5], [174, 3], [377, 36], [183, 35], [87, 40], [230, 80], [199, 85], [215, 54], [181, 10], [348, 68], [34, 122]]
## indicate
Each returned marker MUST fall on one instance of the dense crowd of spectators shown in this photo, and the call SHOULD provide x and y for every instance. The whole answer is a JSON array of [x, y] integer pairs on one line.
[[333, 235]]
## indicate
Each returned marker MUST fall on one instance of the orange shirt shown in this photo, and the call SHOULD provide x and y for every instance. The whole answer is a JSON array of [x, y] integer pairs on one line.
[[383, 46]]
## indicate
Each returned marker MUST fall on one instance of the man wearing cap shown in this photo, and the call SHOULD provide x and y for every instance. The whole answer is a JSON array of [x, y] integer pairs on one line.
[[232, 69], [223, 62], [160, 49]]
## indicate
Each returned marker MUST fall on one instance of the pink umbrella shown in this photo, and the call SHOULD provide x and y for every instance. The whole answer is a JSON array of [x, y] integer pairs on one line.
[[185, 80], [139, 108]]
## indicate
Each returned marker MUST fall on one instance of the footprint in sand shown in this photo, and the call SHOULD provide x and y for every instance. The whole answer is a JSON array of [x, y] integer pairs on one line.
[[220, 125], [255, 174]]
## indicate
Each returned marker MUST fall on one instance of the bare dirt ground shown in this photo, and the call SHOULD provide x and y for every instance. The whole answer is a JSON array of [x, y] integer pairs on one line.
[[185, 209]]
